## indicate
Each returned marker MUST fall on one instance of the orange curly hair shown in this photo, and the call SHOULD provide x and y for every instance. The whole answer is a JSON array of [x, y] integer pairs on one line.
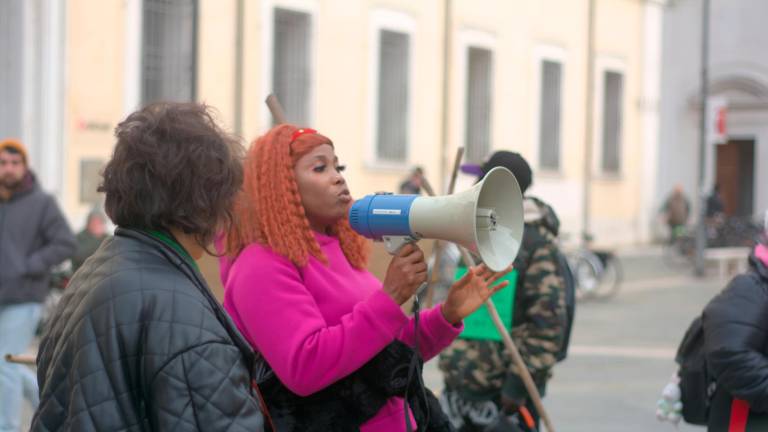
[[269, 210]]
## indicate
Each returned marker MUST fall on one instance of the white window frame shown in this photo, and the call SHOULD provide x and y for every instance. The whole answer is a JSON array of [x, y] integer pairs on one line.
[[268, 7], [605, 64], [553, 53], [132, 56], [473, 38], [396, 21]]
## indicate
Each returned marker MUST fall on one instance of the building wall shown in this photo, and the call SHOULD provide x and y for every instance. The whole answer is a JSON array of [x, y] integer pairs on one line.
[[523, 32], [736, 53], [216, 57], [568, 32], [93, 101], [615, 202], [102, 87]]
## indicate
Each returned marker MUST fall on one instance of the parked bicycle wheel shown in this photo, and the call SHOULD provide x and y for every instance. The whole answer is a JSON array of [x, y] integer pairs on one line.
[[586, 268], [610, 280], [598, 274], [681, 252]]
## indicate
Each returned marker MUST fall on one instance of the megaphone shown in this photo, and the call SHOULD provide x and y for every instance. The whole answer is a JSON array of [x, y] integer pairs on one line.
[[486, 219]]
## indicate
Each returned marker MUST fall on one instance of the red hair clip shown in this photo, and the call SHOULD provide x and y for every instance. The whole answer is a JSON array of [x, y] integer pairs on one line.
[[301, 131]]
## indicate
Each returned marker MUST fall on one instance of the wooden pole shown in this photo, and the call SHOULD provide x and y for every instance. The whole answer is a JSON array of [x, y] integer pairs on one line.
[[455, 172], [21, 359], [276, 109]]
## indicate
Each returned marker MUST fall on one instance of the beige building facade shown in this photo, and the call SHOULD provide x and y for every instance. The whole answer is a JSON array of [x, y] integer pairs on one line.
[[394, 83]]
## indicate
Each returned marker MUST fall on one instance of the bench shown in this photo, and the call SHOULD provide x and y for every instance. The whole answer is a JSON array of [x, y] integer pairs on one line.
[[727, 257]]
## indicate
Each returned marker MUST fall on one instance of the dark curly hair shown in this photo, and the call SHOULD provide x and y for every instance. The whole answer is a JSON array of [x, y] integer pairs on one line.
[[173, 167]]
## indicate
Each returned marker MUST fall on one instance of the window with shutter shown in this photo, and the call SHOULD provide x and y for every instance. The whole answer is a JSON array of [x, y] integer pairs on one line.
[[613, 86], [549, 115], [291, 67], [169, 50], [477, 139], [393, 93]]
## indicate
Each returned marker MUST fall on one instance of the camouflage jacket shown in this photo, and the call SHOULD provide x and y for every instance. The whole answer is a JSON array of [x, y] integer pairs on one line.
[[481, 370]]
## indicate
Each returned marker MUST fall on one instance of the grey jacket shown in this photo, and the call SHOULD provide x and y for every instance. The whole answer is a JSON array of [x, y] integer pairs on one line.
[[34, 236]]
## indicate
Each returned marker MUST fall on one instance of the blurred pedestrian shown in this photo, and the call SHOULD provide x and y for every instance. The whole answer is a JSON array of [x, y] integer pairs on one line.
[[715, 206], [90, 238], [483, 390], [715, 219], [676, 210], [413, 184], [34, 236], [138, 342], [736, 346]]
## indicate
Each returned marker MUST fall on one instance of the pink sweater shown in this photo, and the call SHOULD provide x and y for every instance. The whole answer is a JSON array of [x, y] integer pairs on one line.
[[317, 324], [761, 252]]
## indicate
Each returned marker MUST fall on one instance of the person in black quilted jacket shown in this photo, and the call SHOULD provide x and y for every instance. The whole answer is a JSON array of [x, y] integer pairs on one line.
[[736, 345], [138, 341]]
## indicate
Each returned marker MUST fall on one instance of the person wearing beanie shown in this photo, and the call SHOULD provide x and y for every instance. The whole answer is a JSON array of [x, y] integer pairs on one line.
[[34, 236], [481, 388]]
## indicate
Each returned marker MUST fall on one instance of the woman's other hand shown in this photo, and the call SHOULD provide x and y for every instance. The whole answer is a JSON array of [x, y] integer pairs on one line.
[[406, 272], [470, 292]]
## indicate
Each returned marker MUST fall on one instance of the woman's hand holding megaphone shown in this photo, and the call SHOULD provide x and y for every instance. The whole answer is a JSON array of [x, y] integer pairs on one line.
[[405, 274], [471, 291]]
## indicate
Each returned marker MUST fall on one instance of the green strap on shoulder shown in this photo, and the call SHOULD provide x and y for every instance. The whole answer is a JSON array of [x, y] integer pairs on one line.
[[173, 244]]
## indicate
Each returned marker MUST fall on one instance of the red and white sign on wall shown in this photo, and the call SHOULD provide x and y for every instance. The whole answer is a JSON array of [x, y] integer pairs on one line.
[[717, 120], [717, 133]]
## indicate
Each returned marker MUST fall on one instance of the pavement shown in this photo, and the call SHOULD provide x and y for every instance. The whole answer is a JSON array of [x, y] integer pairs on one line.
[[622, 349]]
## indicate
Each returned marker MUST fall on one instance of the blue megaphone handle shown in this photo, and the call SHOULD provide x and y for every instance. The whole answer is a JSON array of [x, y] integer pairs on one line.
[[376, 216]]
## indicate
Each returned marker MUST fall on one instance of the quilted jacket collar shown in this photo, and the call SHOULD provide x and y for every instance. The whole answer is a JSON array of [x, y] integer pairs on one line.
[[180, 262]]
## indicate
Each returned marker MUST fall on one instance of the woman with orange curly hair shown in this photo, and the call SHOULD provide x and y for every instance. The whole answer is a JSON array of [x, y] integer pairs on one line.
[[296, 286]]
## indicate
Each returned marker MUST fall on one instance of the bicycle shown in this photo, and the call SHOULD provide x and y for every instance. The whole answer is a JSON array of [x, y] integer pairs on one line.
[[680, 251], [734, 231], [597, 272], [721, 231]]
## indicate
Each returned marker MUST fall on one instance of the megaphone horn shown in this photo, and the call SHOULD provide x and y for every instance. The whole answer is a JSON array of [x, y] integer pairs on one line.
[[486, 219]]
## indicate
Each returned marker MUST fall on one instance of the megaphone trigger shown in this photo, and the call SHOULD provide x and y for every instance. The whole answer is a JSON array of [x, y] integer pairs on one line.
[[393, 244]]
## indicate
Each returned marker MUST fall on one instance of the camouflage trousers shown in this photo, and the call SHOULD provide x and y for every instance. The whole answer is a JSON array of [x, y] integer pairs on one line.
[[474, 372], [475, 368]]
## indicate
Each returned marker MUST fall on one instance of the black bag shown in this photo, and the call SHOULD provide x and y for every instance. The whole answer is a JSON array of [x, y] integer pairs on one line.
[[696, 385], [348, 403]]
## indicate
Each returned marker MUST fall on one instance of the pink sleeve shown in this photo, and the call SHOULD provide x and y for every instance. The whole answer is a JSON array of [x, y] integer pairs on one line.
[[435, 333], [284, 323]]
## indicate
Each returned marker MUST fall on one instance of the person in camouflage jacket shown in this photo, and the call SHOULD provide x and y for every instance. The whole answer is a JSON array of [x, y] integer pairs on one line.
[[482, 385]]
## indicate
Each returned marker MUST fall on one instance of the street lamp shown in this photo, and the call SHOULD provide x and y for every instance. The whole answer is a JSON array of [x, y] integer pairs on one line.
[[701, 238]]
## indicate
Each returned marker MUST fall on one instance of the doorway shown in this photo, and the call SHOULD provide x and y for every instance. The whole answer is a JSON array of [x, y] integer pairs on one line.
[[736, 176]]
